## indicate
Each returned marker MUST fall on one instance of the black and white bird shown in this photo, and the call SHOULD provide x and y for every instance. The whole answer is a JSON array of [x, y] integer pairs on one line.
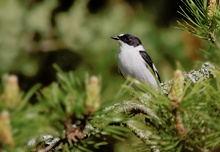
[[134, 61]]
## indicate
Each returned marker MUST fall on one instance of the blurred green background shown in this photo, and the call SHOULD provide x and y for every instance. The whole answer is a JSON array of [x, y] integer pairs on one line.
[[75, 35]]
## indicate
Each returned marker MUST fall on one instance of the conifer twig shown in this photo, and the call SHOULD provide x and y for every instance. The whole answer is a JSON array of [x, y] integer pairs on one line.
[[51, 146], [133, 108], [201, 20], [137, 132], [175, 96], [206, 71]]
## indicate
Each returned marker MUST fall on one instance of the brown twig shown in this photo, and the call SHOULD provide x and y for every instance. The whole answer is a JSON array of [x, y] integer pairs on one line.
[[75, 133], [179, 124]]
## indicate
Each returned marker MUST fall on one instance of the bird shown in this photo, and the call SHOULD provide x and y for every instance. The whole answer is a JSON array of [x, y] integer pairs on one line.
[[134, 61]]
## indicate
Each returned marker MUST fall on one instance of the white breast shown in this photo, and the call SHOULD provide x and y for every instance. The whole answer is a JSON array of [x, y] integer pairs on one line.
[[131, 63]]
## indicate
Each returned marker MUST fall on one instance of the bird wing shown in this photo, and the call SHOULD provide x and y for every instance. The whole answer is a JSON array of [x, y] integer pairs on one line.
[[150, 63]]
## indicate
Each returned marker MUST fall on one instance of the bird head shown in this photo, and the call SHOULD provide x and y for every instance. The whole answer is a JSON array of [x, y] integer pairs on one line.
[[127, 39]]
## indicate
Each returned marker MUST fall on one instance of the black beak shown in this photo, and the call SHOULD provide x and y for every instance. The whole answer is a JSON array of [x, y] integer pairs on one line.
[[115, 37]]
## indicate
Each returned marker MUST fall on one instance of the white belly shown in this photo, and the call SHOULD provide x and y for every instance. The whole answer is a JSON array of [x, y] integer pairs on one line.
[[131, 63]]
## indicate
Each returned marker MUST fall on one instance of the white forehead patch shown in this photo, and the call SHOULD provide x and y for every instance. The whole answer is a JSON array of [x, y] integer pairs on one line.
[[121, 35]]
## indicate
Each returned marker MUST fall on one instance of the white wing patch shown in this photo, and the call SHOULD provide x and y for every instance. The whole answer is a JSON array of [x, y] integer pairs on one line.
[[156, 72]]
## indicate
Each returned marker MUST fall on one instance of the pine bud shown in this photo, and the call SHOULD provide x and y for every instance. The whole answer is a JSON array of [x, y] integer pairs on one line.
[[176, 92], [11, 92], [211, 9], [93, 94], [5, 129]]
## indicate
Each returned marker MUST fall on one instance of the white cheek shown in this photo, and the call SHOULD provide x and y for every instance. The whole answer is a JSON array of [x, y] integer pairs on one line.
[[129, 48], [126, 47], [120, 43]]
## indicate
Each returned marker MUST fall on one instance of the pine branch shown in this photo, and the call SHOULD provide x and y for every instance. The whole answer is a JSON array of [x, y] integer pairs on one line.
[[187, 118], [163, 121], [206, 71], [201, 19], [132, 108]]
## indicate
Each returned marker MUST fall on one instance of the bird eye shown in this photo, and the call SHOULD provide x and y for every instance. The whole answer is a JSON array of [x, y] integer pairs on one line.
[[127, 39]]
